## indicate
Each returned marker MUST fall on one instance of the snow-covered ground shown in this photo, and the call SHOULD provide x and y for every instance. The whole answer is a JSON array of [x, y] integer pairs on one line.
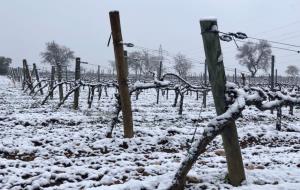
[[42, 147]]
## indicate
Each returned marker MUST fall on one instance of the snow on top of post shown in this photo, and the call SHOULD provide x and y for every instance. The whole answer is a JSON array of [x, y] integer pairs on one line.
[[208, 19]]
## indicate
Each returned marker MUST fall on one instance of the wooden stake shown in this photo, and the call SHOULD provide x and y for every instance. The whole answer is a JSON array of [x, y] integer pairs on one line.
[[52, 80], [98, 74], [59, 79], [272, 72], [205, 84], [27, 74], [235, 75], [77, 79], [121, 72], [272, 76], [37, 78], [213, 53]]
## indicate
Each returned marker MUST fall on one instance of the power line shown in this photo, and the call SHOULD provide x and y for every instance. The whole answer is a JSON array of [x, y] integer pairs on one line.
[[274, 42], [275, 47], [229, 36], [280, 27]]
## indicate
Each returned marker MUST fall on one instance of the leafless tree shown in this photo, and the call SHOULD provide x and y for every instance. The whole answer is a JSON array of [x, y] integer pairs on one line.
[[113, 66], [182, 65], [56, 54], [4, 64], [292, 70], [255, 56], [135, 62]]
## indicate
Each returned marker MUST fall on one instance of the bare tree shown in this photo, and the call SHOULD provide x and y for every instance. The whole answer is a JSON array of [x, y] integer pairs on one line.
[[135, 62], [292, 70], [58, 56], [182, 65], [4, 64], [255, 56], [113, 66]]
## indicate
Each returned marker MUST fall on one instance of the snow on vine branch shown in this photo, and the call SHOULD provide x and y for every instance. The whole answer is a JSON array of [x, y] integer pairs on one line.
[[238, 99]]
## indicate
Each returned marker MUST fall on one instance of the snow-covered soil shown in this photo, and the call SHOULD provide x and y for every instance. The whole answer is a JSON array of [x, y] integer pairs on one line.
[[42, 147]]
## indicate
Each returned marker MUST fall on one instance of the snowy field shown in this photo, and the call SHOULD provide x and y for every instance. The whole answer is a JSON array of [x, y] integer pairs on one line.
[[42, 147]]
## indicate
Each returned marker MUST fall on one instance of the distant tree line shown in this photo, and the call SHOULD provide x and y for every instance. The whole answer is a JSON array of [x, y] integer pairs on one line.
[[141, 62]]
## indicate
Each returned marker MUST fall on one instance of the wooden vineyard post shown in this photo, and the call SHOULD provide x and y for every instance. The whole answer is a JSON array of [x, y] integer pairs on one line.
[[98, 74], [122, 73], [235, 76], [272, 72], [59, 79], [205, 84], [213, 54], [66, 73], [276, 76], [37, 78], [243, 79], [52, 80], [272, 76], [77, 79], [19, 71], [24, 75], [159, 70], [27, 74]]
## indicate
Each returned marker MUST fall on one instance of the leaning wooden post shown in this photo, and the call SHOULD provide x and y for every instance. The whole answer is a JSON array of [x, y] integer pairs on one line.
[[27, 74], [205, 84], [213, 53], [77, 80], [52, 80], [37, 78], [122, 73]]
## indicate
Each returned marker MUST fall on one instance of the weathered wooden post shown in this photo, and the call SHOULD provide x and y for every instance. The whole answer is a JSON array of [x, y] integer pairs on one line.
[[272, 76], [52, 80], [235, 75], [19, 70], [205, 84], [278, 119], [59, 79], [213, 53], [37, 78], [98, 74], [276, 77], [77, 80], [122, 74], [27, 74], [243, 79], [66, 74], [272, 72], [158, 78], [24, 75]]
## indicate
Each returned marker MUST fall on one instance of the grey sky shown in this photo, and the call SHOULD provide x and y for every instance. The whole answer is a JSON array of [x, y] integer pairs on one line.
[[83, 25]]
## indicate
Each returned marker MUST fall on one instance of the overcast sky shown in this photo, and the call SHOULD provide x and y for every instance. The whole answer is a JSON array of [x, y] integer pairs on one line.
[[83, 26]]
